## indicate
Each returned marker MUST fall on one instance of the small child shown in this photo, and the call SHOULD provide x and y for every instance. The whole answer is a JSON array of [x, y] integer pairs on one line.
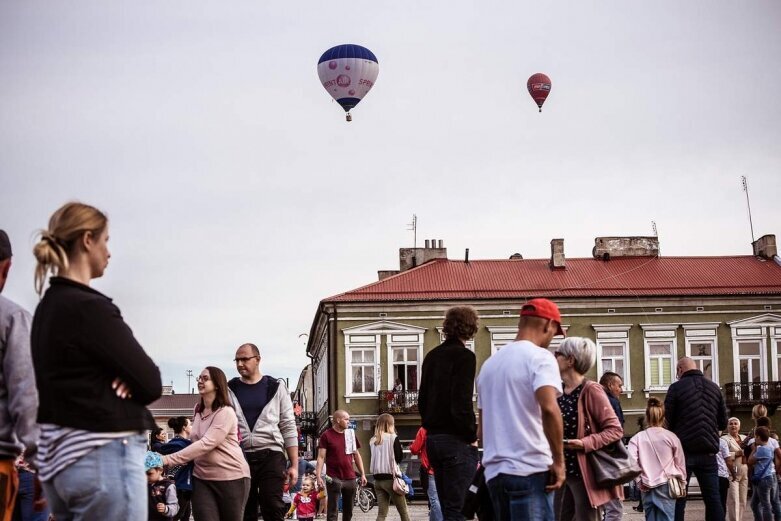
[[762, 476], [305, 502], [163, 503]]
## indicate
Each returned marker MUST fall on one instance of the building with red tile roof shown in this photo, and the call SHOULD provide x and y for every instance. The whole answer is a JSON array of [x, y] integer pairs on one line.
[[643, 310]]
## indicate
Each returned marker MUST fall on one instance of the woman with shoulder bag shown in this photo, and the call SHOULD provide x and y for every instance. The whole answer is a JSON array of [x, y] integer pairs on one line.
[[660, 455], [590, 424], [386, 454]]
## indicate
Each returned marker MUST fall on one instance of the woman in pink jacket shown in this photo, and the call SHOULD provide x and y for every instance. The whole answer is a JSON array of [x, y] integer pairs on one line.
[[589, 424], [660, 455], [221, 477]]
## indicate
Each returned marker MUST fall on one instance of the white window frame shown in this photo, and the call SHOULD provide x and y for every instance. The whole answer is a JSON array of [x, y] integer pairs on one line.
[[659, 334], [775, 349], [501, 336], [615, 334], [703, 333], [373, 335], [417, 342], [349, 348]]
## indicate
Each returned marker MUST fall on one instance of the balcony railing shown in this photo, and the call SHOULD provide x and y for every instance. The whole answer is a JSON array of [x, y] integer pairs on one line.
[[746, 395], [398, 402]]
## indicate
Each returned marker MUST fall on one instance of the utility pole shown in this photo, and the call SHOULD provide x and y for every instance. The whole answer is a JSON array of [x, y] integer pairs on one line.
[[189, 376]]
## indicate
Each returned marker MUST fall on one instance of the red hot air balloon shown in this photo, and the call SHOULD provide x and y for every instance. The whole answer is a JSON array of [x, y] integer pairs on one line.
[[539, 86]]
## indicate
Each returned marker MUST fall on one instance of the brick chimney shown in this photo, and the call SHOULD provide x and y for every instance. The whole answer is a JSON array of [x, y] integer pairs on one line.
[[412, 257], [557, 261], [765, 247], [607, 247]]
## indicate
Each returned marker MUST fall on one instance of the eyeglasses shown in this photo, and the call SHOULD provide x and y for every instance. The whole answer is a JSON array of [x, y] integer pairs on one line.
[[245, 359], [202, 378]]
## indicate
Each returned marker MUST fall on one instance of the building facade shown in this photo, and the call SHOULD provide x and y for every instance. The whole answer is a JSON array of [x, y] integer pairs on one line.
[[643, 312]]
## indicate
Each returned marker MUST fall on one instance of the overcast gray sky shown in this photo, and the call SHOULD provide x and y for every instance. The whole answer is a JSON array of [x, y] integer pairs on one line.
[[239, 196]]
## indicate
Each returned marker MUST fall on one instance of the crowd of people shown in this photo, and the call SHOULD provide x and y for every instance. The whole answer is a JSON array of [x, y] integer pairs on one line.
[[76, 447]]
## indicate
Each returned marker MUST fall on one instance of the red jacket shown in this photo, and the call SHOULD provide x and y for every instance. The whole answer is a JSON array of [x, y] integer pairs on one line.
[[418, 447]]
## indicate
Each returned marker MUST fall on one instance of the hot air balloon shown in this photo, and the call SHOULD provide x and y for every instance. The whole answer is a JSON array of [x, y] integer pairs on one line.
[[539, 86], [348, 72]]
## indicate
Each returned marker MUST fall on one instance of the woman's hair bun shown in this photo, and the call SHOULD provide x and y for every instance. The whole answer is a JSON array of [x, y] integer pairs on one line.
[[654, 402]]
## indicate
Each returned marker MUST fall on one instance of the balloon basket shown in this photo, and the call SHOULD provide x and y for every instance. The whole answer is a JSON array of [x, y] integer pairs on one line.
[[349, 117]]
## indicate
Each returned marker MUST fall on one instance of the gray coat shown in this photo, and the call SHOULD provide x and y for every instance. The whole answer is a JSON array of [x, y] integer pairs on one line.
[[18, 395], [276, 425]]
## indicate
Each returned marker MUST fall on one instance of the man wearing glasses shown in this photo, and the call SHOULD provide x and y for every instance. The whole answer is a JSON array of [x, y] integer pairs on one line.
[[268, 429]]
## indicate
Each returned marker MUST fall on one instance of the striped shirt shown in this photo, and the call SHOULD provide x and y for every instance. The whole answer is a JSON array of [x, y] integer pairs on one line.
[[59, 447]]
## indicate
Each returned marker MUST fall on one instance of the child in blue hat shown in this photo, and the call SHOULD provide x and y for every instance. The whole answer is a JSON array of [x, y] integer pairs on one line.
[[163, 503]]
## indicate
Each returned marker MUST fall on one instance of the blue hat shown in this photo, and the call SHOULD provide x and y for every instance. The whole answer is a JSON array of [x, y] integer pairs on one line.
[[153, 460]]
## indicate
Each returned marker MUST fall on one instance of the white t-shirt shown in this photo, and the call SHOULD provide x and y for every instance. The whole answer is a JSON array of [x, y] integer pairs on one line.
[[513, 440]]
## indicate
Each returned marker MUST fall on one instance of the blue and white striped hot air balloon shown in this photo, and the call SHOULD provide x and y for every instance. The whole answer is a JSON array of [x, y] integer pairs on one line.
[[348, 73]]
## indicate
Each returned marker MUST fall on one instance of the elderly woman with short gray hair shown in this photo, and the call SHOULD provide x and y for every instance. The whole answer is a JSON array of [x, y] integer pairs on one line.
[[589, 424]]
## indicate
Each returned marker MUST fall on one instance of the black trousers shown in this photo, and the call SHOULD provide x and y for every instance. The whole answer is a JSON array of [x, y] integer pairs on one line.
[[268, 474]]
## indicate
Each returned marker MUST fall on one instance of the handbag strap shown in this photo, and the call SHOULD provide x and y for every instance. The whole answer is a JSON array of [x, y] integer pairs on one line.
[[664, 467]]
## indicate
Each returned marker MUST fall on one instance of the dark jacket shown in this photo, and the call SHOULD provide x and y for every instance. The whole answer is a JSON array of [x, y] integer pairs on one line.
[[446, 387], [615, 403], [183, 473], [80, 344], [695, 412]]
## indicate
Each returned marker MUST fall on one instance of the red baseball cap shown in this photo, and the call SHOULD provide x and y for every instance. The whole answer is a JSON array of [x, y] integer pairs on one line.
[[543, 308]]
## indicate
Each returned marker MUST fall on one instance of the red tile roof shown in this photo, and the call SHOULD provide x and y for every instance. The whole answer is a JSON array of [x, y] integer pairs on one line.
[[444, 279], [175, 402]]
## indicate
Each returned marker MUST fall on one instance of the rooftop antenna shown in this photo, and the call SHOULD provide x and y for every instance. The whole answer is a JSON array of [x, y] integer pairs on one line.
[[189, 374], [656, 234], [748, 203], [413, 227]]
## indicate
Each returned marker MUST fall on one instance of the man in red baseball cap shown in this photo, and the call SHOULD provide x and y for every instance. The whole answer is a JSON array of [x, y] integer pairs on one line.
[[543, 308], [520, 420]]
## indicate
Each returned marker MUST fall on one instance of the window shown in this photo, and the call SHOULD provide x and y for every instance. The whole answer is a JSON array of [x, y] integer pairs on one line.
[[702, 353], [405, 368], [751, 338], [702, 347], [613, 352], [659, 350], [363, 374], [368, 371], [660, 363]]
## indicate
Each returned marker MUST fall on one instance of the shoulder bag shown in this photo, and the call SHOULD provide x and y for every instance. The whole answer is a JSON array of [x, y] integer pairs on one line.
[[676, 485], [611, 465], [400, 486]]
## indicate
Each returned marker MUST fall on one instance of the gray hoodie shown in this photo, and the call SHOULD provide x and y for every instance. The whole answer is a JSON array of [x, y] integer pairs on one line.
[[276, 425], [18, 394]]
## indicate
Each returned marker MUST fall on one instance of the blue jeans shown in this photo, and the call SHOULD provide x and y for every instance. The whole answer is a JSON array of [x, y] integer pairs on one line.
[[107, 483], [706, 469], [521, 498], [435, 509], [658, 505], [454, 462], [761, 498], [25, 500]]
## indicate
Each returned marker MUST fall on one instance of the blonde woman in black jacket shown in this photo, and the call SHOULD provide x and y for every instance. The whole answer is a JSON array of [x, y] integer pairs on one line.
[[94, 379]]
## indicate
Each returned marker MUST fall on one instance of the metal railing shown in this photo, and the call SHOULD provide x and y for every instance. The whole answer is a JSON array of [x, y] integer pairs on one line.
[[750, 394], [398, 402]]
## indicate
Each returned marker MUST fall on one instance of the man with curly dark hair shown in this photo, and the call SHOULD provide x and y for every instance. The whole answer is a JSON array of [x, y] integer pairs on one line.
[[446, 410]]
